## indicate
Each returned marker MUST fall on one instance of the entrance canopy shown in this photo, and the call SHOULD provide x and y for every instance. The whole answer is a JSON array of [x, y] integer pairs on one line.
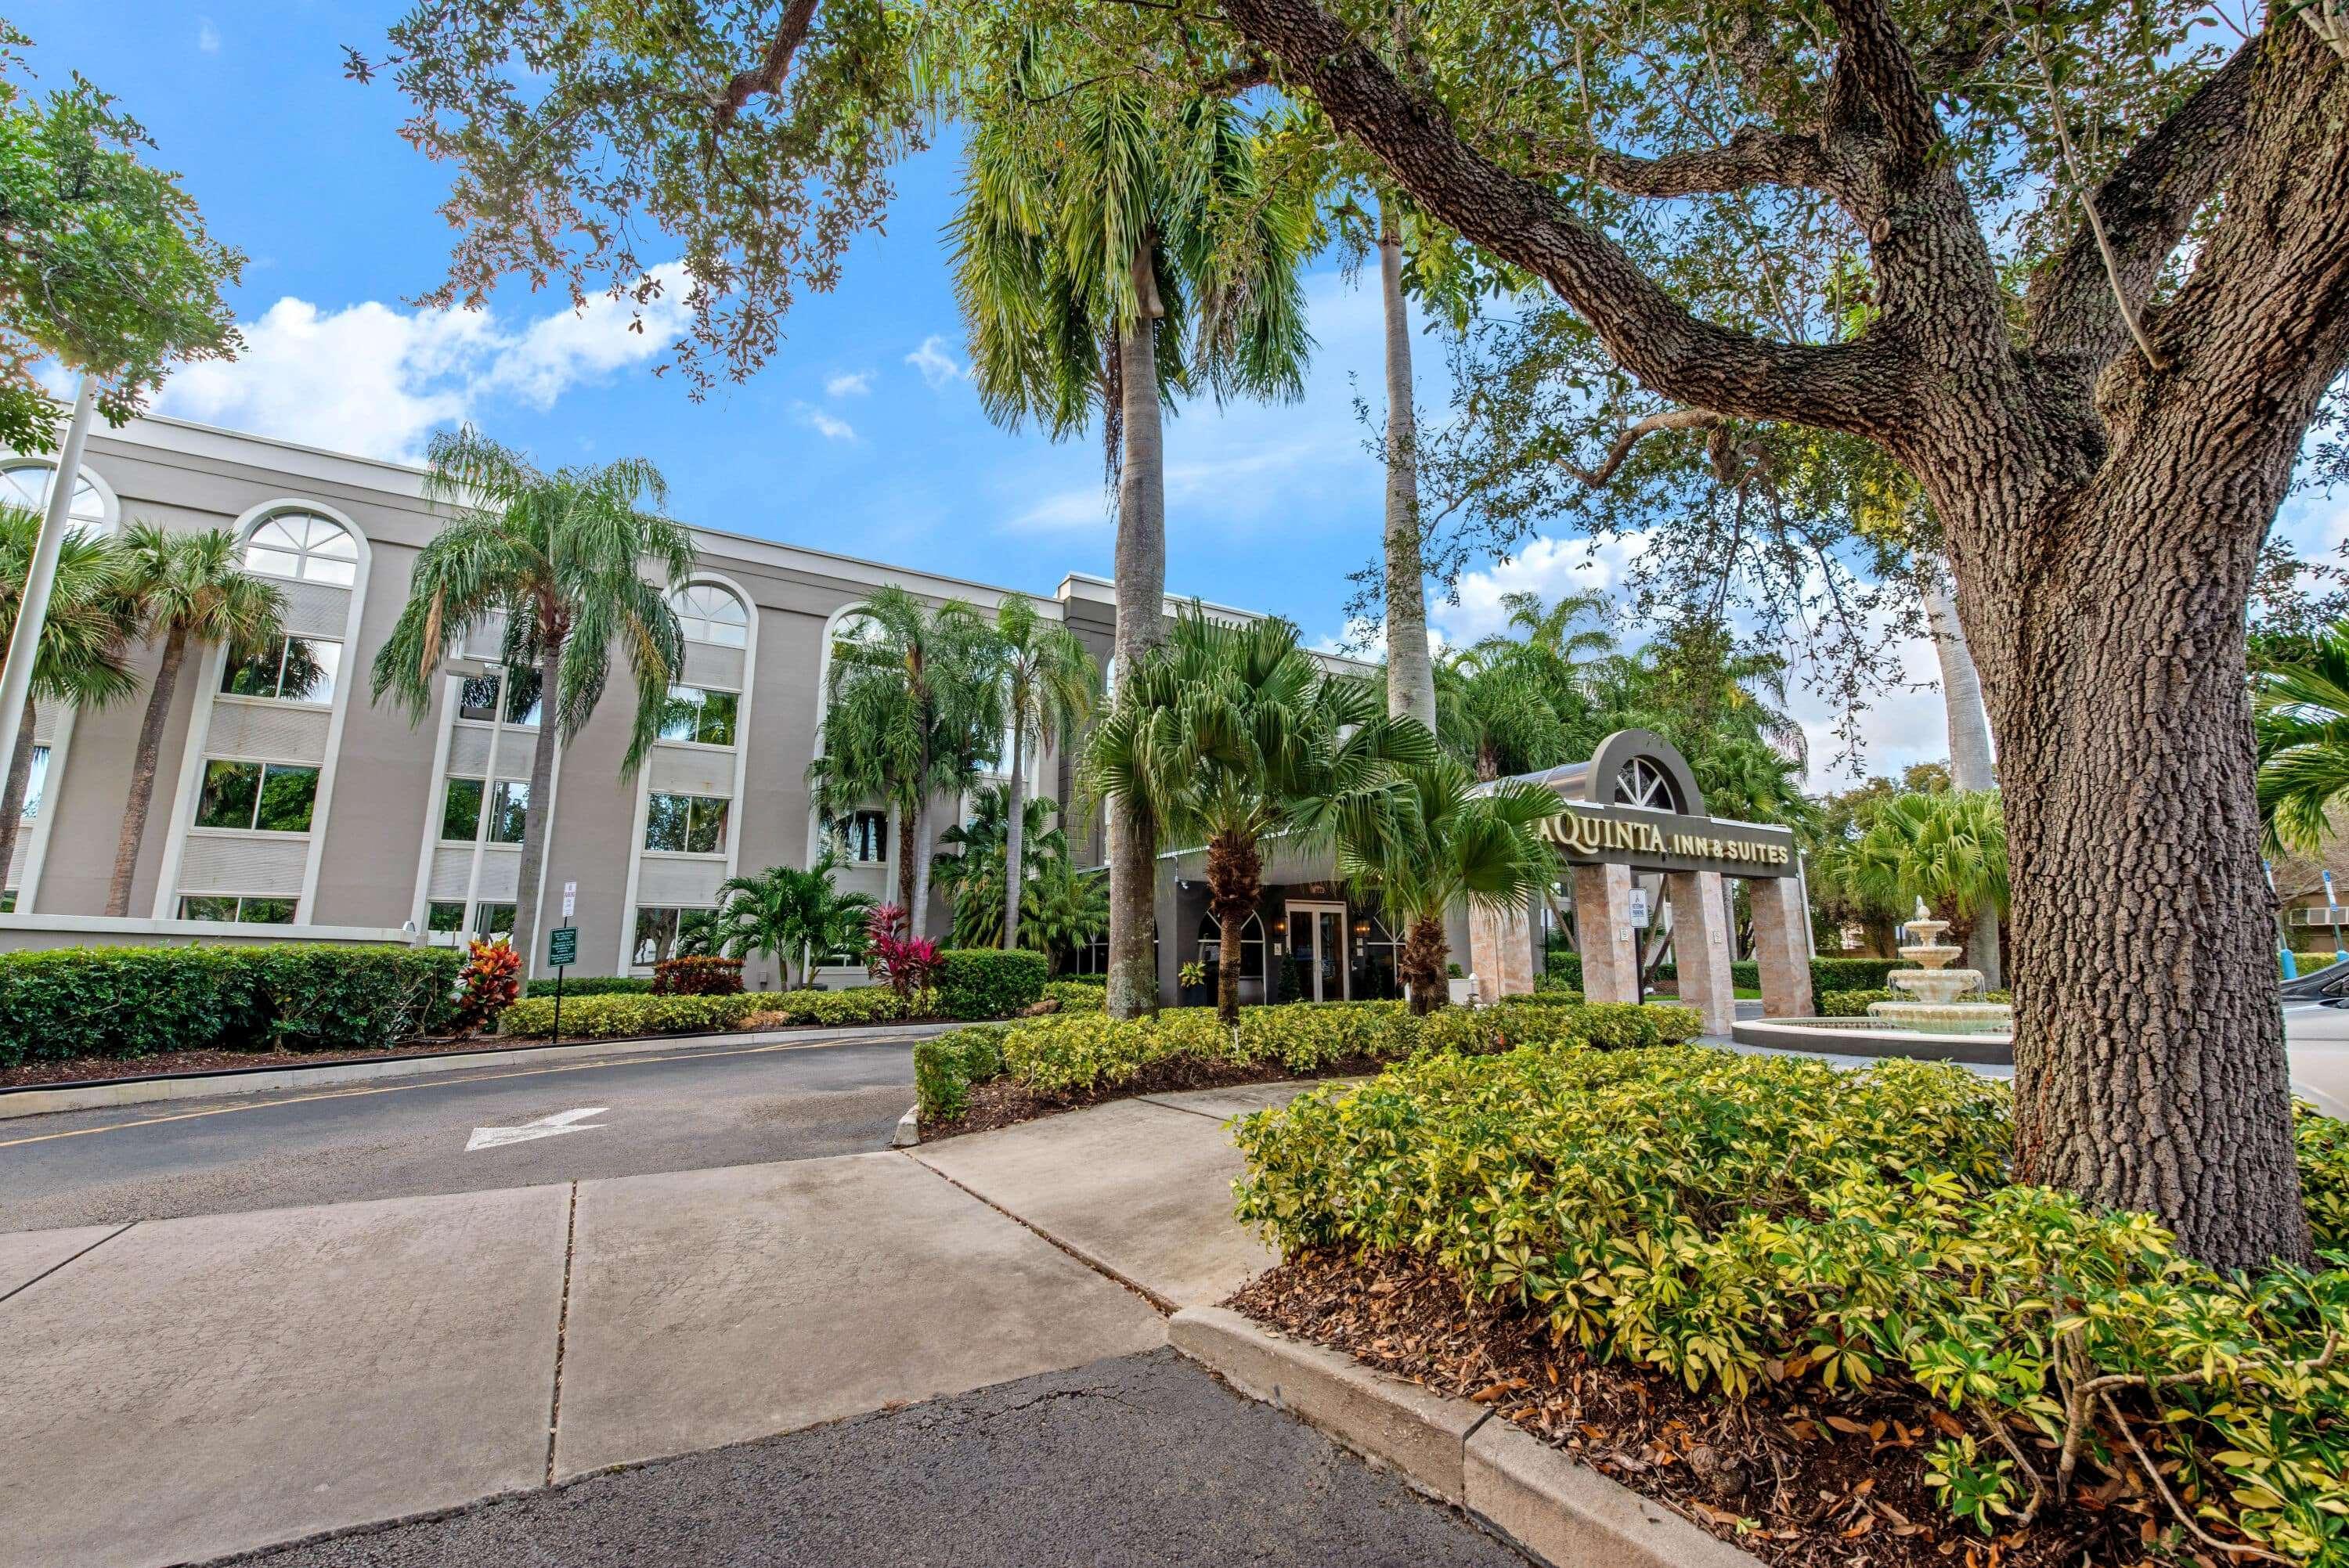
[[1635, 803]]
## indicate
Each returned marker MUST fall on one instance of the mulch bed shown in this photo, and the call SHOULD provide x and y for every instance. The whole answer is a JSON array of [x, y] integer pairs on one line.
[[1815, 1483], [82, 1069], [1002, 1102]]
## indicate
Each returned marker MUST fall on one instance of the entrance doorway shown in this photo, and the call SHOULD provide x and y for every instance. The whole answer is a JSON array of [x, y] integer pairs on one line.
[[1317, 952]]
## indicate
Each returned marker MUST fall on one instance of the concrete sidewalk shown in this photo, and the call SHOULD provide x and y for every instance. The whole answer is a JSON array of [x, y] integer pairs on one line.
[[190, 1387]]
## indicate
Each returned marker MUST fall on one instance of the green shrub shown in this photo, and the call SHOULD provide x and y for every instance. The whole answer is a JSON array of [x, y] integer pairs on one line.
[[593, 985], [945, 1067], [1734, 1221], [604, 1017], [1852, 973], [1562, 967], [126, 1001], [988, 982], [2324, 1176], [699, 974], [1078, 996], [1851, 1004]]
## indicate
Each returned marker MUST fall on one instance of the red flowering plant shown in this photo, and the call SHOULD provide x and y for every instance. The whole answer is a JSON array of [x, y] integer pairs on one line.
[[906, 962], [488, 985]]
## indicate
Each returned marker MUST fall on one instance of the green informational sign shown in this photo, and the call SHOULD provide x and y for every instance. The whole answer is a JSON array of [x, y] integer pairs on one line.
[[562, 947]]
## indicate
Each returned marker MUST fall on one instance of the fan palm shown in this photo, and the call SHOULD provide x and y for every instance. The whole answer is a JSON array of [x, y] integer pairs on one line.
[[1062, 909], [1231, 736], [1112, 248], [2300, 709], [1492, 711], [1048, 682], [1440, 839], [193, 590], [560, 559], [84, 655], [796, 914], [1949, 849], [913, 709]]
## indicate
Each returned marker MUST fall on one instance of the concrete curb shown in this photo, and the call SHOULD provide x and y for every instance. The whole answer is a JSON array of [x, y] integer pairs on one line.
[[1562, 1512], [41, 1100], [910, 1128]]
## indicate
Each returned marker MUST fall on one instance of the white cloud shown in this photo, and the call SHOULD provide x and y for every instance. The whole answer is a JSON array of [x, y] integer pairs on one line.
[[1550, 567], [377, 380], [854, 385], [1086, 510], [823, 424], [938, 368], [1899, 728], [207, 35]]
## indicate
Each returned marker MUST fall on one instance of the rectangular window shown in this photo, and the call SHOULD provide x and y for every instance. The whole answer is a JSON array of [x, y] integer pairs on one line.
[[461, 812], [703, 717], [9, 902], [247, 910], [688, 824], [443, 922], [865, 835], [492, 921], [36, 782], [291, 669], [656, 934], [268, 796], [509, 807], [477, 698]]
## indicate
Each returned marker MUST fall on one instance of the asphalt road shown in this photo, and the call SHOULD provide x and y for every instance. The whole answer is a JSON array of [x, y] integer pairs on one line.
[[676, 1110], [1138, 1460]]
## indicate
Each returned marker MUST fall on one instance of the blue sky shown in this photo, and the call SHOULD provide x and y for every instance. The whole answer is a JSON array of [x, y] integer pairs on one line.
[[861, 436]]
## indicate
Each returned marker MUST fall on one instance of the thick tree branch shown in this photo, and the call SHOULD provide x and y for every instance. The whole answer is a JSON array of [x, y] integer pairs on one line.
[[1860, 387], [774, 66], [2074, 312], [1878, 63], [1633, 434], [1753, 156]]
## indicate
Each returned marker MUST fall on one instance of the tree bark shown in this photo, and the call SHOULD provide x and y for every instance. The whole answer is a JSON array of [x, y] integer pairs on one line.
[[1420, 964], [1970, 767], [12, 794], [1235, 883], [918, 915], [1015, 833], [1140, 628], [909, 831], [1410, 677], [536, 823], [143, 763]]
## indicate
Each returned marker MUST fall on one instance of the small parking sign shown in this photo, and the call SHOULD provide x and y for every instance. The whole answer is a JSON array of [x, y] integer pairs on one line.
[[562, 947]]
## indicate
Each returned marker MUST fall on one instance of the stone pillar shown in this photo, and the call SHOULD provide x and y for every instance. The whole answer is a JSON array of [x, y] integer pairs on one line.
[[1602, 919], [1782, 945], [1700, 946], [1500, 954]]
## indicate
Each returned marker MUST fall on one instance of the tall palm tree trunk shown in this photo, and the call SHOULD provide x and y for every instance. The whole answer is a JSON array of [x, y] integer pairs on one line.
[[918, 915], [1014, 832], [537, 821], [143, 769], [1141, 572], [1410, 677], [1970, 764], [1235, 880], [1420, 965], [909, 837], [12, 794]]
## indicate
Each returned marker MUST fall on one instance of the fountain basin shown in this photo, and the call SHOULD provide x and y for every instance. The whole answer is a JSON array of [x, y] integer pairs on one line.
[[1982, 1047]]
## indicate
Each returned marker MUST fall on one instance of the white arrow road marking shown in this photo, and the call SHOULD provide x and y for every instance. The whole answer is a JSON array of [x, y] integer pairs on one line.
[[553, 1126]]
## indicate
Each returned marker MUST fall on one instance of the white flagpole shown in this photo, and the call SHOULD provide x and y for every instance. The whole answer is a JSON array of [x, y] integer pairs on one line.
[[32, 607]]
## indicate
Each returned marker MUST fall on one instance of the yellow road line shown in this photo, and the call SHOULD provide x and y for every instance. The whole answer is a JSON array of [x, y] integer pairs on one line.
[[440, 1083]]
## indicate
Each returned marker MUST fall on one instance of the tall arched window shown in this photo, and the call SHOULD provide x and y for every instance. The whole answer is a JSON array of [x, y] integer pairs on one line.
[[1211, 943], [28, 484], [305, 547], [708, 614]]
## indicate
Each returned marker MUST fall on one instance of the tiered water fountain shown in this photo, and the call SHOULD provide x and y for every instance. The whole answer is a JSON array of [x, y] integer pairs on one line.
[[1935, 988]]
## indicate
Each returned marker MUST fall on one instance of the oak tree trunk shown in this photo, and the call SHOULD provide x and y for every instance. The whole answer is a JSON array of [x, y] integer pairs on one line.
[[1141, 571], [537, 821], [1015, 834], [143, 763], [1410, 676], [12, 797]]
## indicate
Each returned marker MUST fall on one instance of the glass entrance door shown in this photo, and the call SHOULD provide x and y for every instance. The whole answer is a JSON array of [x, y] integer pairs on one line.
[[1317, 952]]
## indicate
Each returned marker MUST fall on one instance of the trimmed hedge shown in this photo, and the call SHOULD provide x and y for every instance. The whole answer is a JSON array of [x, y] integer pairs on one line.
[[1078, 996], [605, 1018], [988, 982], [1737, 1221], [700, 974], [127, 1002], [591, 986], [945, 1067], [1828, 975]]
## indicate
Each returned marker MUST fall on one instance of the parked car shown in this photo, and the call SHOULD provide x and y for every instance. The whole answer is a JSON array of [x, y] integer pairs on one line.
[[2316, 1036]]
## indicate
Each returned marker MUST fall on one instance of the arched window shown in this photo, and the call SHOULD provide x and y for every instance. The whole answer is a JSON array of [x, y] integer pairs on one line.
[[1641, 783], [27, 485], [305, 547], [708, 614], [1211, 943]]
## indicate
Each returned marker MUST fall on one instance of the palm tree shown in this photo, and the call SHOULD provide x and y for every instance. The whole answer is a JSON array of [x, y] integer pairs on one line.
[[1411, 675], [1949, 849], [1114, 248], [1441, 839], [2300, 709], [790, 913], [560, 557], [913, 710], [973, 876], [1048, 682], [85, 649], [1231, 736], [193, 590], [1062, 909], [1492, 711]]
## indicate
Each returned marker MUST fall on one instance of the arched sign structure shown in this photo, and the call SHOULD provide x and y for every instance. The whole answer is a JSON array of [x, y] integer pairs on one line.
[[1633, 807]]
